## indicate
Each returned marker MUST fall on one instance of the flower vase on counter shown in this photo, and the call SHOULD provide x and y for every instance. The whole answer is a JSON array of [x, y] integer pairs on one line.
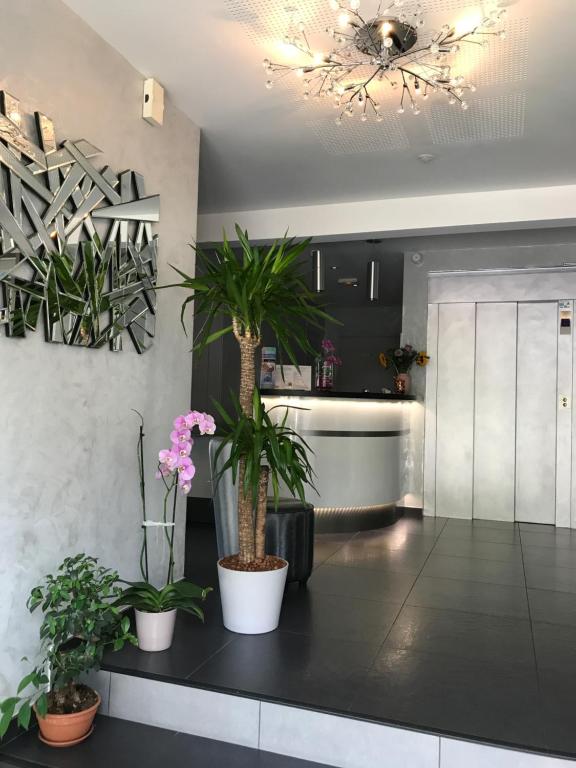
[[402, 383], [401, 361], [324, 374], [326, 364]]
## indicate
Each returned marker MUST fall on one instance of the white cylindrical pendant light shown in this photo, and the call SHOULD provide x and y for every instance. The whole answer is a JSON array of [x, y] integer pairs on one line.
[[373, 280], [318, 270]]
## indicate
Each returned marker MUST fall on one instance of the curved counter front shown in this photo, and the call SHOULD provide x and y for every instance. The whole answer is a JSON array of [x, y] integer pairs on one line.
[[357, 443]]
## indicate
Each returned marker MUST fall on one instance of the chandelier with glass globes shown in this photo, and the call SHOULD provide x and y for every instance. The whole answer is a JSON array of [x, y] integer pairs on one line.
[[393, 49]]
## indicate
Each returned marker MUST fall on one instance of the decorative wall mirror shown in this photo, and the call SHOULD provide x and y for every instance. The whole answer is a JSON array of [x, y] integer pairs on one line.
[[76, 244]]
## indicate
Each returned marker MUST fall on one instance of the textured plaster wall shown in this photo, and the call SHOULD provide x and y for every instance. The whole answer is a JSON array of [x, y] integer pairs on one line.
[[68, 472]]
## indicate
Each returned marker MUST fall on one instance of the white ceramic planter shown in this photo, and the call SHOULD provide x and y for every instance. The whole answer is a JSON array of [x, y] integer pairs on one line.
[[251, 601], [155, 630]]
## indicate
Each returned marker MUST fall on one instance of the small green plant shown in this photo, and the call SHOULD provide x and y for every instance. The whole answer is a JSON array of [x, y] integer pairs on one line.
[[179, 594], [270, 452], [80, 622]]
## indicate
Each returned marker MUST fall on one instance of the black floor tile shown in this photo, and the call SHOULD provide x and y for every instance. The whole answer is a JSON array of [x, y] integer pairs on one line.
[[425, 526], [363, 554], [552, 607], [501, 525], [390, 538], [495, 640], [475, 569], [192, 751], [503, 535], [193, 644], [561, 538], [454, 695], [555, 646], [326, 544], [365, 583], [485, 550], [471, 596], [549, 556], [113, 741], [557, 701], [555, 578], [343, 618], [536, 527], [131, 745], [311, 670]]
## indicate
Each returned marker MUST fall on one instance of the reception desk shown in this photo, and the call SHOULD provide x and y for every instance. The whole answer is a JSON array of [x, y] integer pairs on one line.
[[357, 442]]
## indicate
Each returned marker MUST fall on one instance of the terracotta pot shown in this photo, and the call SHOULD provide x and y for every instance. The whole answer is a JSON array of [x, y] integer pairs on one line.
[[67, 730], [402, 384]]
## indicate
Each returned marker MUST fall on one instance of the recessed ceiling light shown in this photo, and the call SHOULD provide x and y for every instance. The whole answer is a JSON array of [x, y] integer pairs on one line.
[[426, 158]]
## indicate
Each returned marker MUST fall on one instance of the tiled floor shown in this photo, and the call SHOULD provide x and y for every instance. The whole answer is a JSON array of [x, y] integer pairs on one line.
[[445, 625]]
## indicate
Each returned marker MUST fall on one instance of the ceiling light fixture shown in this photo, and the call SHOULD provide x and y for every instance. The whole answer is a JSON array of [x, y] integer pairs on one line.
[[392, 49]]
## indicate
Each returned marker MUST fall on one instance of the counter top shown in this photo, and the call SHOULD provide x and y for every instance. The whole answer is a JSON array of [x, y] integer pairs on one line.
[[335, 395]]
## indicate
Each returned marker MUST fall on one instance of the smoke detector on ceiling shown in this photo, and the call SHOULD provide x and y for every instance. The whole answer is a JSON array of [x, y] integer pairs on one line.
[[426, 158]]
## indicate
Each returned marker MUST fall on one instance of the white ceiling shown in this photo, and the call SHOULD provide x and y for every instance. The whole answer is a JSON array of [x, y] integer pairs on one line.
[[269, 149]]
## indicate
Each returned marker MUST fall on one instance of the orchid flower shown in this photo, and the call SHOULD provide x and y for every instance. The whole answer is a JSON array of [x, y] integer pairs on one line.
[[176, 461]]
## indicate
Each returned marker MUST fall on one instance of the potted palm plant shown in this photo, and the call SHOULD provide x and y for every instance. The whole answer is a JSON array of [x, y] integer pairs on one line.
[[155, 607], [270, 452], [250, 288], [80, 623]]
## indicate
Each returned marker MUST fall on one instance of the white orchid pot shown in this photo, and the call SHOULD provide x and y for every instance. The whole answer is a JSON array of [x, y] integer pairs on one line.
[[251, 600], [155, 630]]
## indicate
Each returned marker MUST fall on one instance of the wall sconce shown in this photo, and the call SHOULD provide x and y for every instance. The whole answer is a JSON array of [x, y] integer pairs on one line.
[[318, 270], [373, 280]]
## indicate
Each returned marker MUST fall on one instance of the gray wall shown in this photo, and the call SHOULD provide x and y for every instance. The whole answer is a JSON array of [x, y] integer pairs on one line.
[[68, 472], [481, 251]]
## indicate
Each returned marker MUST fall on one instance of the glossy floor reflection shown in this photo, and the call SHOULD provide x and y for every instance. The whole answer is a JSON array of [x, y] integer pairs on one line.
[[465, 628]]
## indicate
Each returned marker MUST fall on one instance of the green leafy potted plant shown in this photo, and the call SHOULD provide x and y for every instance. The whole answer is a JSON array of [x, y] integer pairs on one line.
[[270, 453], [154, 607], [80, 623], [249, 289]]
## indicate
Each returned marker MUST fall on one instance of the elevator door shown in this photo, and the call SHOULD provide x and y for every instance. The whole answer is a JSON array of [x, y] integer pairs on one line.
[[537, 365], [503, 426]]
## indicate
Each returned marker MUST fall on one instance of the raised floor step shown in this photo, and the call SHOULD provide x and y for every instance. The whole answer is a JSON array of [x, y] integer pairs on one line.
[[132, 745]]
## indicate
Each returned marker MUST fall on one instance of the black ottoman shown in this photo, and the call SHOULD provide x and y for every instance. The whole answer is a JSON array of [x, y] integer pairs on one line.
[[290, 534]]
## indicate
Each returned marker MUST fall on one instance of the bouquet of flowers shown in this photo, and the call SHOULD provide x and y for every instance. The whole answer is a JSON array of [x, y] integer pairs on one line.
[[401, 359]]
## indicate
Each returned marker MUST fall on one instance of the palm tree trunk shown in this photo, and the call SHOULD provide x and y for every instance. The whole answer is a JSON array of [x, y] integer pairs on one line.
[[247, 550], [248, 346], [260, 536]]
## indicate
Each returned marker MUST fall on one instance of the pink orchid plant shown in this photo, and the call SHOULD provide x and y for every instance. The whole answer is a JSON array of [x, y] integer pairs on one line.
[[176, 470], [175, 461]]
